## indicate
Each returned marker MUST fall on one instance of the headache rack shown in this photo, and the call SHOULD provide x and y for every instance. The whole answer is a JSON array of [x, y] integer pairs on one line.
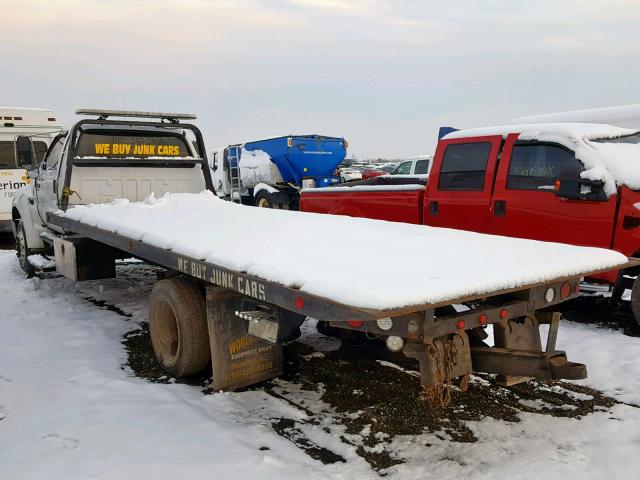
[[103, 114]]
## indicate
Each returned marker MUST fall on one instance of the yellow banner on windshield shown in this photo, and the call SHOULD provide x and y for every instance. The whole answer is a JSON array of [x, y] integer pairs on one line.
[[147, 150]]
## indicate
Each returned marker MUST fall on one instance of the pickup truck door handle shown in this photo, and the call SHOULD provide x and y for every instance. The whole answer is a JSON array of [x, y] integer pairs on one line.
[[500, 208], [433, 208]]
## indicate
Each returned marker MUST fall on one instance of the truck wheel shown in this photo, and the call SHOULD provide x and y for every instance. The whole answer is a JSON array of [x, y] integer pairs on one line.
[[264, 200], [22, 250], [178, 326], [635, 299], [324, 328], [289, 325]]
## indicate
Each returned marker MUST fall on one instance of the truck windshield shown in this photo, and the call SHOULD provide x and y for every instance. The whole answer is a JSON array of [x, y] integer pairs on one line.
[[136, 145]]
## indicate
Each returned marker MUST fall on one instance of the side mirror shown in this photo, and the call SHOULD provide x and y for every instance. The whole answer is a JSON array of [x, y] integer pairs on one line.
[[25, 152], [580, 189]]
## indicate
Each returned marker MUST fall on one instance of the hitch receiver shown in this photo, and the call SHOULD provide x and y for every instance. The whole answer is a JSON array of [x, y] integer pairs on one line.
[[544, 365]]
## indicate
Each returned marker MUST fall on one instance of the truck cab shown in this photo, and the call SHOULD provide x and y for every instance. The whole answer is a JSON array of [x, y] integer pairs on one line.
[[24, 132], [102, 159]]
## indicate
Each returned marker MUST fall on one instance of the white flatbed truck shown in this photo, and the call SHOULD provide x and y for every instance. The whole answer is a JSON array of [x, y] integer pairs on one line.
[[201, 311]]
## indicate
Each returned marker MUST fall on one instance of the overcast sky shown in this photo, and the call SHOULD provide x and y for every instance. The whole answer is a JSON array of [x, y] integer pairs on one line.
[[383, 74]]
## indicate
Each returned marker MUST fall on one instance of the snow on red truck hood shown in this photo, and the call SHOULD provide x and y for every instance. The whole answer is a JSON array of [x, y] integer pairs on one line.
[[301, 250]]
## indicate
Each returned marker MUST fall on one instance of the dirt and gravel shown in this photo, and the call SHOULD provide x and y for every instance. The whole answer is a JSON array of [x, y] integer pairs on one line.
[[366, 396]]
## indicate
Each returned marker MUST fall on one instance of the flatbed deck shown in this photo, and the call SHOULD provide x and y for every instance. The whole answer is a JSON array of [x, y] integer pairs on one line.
[[272, 292]]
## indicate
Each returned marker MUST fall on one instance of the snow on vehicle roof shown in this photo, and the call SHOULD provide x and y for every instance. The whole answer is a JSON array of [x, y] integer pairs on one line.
[[578, 131], [298, 250], [612, 162], [627, 116]]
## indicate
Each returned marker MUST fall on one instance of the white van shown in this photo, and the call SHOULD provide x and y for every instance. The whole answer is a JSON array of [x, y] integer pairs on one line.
[[36, 124]]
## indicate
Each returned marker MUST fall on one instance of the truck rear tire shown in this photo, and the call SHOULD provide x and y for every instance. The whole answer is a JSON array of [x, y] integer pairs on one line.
[[22, 251], [635, 300], [178, 326], [263, 200]]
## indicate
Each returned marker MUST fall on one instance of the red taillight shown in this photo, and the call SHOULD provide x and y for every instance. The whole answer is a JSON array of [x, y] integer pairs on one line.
[[460, 324], [299, 303], [578, 287], [503, 313], [565, 290], [355, 323], [557, 185], [483, 319]]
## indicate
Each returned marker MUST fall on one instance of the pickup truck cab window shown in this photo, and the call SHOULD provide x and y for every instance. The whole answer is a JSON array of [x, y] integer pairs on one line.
[[55, 152], [537, 166], [422, 167], [403, 169], [464, 166]]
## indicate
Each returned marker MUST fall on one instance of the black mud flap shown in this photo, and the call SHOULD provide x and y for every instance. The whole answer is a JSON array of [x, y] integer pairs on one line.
[[238, 359]]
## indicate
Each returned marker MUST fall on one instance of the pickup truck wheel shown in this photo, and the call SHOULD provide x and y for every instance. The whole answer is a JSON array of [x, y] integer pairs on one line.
[[635, 299], [22, 250], [263, 200], [178, 326]]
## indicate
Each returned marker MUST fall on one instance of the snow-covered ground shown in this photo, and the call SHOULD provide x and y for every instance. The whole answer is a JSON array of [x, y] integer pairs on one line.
[[72, 408]]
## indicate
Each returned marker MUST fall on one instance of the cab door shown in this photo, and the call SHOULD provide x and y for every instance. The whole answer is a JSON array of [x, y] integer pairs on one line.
[[525, 204], [460, 183], [46, 183]]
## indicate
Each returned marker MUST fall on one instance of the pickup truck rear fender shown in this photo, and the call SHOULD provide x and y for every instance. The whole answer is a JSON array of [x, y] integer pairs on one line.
[[22, 210]]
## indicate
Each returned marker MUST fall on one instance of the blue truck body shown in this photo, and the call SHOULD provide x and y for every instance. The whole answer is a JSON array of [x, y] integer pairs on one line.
[[304, 156]]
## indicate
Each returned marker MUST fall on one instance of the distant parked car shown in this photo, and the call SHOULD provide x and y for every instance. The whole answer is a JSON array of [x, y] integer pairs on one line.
[[348, 174], [388, 168], [416, 166], [372, 172]]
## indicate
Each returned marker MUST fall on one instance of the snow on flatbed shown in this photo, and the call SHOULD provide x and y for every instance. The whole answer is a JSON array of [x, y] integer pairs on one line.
[[302, 250]]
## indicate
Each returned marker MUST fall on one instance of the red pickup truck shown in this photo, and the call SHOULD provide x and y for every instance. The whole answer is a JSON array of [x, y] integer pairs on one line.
[[569, 183]]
